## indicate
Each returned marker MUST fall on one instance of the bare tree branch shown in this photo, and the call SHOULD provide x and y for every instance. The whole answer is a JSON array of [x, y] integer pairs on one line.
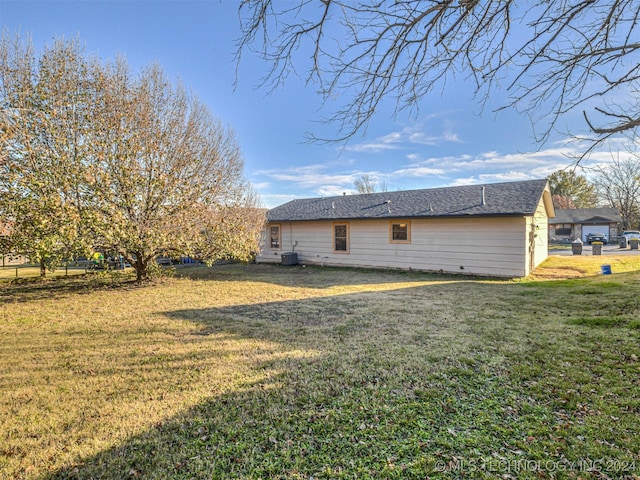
[[554, 56], [618, 184]]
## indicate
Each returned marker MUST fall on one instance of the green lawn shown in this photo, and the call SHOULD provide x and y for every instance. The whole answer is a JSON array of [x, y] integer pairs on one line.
[[29, 272], [287, 372]]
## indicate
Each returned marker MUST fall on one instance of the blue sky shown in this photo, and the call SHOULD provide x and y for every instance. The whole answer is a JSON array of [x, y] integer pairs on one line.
[[451, 141]]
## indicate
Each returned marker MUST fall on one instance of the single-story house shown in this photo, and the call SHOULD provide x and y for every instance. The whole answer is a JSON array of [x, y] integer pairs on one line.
[[6, 258], [571, 224], [496, 229]]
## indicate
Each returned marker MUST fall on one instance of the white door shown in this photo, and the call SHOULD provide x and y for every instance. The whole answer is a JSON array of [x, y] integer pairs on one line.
[[587, 229]]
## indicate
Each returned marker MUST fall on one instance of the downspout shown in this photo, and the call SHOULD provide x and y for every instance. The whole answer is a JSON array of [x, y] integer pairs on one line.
[[532, 246], [293, 243]]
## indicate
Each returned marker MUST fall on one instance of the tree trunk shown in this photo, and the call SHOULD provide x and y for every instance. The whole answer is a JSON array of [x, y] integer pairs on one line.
[[142, 272], [43, 269]]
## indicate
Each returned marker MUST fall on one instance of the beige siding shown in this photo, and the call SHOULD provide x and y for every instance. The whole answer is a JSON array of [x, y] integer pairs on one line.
[[8, 260], [495, 246], [541, 235]]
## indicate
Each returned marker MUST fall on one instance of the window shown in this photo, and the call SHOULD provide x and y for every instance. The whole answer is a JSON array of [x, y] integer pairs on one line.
[[274, 237], [563, 229], [400, 232], [341, 237]]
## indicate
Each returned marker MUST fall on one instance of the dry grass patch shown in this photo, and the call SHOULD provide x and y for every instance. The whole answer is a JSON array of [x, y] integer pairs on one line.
[[272, 372], [22, 273], [575, 266]]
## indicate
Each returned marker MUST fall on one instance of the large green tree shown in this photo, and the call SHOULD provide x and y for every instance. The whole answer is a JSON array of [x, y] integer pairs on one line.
[[43, 112], [123, 162], [166, 172], [568, 184]]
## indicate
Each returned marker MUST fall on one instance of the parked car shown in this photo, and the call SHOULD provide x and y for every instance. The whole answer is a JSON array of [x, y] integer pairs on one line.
[[596, 237], [631, 234]]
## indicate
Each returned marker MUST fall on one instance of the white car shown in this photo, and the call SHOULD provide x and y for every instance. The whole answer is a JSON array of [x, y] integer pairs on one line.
[[631, 234]]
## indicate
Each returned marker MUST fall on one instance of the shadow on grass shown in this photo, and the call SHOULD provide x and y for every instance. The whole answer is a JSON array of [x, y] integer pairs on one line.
[[37, 289], [394, 391], [268, 430], [379, 398], [314, 276], [348, 403], [309, 277]]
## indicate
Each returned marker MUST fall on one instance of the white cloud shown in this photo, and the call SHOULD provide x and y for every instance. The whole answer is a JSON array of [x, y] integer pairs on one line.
[[332, 191], [422, 139], [373, 147], [450, 136], [273, 200], [309, 176], [417, 134], [465, 181], [535, 164], [415, 171], [512, 176], [393, 137], [546, 170]]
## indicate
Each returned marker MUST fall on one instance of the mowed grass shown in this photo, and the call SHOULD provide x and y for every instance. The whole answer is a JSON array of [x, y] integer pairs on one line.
[[559, 266], [29, 272], [287, 372]]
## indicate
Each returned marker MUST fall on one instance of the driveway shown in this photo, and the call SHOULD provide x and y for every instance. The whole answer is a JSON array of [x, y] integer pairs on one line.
[[610, 249]]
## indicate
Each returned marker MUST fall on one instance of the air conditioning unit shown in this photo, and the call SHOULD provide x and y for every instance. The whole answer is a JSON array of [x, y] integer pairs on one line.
[[289, 258]]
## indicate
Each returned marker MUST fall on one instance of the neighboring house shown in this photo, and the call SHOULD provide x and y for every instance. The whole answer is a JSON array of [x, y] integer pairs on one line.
[[494, 230], [571, 224], [6, 258]]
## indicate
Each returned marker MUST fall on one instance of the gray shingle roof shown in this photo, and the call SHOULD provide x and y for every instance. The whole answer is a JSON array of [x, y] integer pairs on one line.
[[587, 215], [513, 198]]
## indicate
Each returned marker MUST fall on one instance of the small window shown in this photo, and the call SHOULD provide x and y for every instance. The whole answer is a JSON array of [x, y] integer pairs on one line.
[[400, 232], [341, 237], [563, 229], [274, 237]]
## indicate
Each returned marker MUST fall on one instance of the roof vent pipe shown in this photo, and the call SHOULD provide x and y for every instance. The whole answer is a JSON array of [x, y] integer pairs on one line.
[[484, 202], [333, 205]]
